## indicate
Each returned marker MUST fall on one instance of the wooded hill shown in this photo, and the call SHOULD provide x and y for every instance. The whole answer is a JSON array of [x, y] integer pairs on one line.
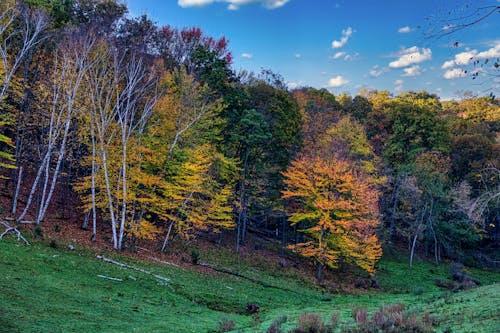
[[160, 139]]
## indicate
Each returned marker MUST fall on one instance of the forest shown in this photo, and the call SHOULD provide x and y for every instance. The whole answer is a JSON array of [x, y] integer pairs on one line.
[[138, 136]]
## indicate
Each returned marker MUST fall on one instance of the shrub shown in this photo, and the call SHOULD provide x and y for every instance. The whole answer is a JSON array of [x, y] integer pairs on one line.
[[57, 228], [195, 256], [360, 316], [393, 319], [334, 319], [38, 232], [53, 244], [311, 323], [227, 325], [276, 325]]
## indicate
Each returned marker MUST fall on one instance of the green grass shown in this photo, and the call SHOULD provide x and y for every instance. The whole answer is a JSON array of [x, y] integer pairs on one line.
[[54, 290]]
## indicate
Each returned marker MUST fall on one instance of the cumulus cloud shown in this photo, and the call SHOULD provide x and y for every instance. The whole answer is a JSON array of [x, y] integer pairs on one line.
[[376, 72], [247, 55], [399, 85], [346, 34], [298, 55], [233, 4], [412, 71], [351, 57], [405, 30], [339, 55], [462, 58], [465, 58], [337, 81], [411, 56], [454, 73]]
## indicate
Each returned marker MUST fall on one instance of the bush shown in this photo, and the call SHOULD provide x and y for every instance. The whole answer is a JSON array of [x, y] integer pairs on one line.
[[227, 325], [195, 256], [276, 325], [392, 319], [334, 319], [38, 232], [360, 315], [311, 323]]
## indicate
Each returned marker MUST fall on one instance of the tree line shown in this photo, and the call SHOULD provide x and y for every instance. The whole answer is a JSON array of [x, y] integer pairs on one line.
[[160, 138]]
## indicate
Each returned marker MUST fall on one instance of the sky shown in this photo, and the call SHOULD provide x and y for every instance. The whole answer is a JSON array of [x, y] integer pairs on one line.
[[349, 45]]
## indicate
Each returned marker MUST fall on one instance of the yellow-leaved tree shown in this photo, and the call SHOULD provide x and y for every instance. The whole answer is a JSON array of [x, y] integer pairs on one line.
[[336, 209]]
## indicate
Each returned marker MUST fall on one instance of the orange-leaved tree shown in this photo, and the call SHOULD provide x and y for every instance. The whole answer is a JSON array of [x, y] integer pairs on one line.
[[336, 209]]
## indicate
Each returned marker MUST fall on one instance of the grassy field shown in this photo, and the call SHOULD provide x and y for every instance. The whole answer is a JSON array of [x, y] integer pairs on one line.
[[45, 289]]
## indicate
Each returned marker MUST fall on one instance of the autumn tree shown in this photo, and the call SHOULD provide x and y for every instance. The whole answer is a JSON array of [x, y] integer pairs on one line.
[[336, 209], [21, 30]]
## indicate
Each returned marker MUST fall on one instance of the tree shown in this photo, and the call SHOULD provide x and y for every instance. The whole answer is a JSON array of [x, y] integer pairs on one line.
[[20, 32], [251, 133], [70, 67], [121, 95], [319, 110], [337, 210], [415, 129]]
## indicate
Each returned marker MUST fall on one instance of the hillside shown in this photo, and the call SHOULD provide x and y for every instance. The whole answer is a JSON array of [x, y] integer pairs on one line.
[[48, 289]]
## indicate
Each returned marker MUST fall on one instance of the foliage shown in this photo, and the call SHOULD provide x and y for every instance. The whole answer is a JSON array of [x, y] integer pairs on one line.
[[336, 208]]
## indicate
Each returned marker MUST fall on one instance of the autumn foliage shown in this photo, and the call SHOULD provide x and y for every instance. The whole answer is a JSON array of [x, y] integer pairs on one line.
[[336, 209]]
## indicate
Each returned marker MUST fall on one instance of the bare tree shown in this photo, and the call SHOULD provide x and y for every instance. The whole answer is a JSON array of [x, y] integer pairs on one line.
[[29, 31], [70, 65], [122, 93], [134, 106], [491, 194]]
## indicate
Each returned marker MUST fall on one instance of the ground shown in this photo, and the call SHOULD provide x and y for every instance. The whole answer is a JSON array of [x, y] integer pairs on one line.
[[48, 288]]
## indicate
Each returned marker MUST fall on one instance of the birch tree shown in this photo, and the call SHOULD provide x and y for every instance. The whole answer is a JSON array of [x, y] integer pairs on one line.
[[70, 65], [29, 32], [121, 94], [21, 30]]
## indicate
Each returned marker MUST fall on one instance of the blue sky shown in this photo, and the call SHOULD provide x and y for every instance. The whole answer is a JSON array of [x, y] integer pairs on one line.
[[347, 45]]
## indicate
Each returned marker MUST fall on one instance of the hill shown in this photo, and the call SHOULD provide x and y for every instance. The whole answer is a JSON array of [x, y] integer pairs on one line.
[[53, 289]]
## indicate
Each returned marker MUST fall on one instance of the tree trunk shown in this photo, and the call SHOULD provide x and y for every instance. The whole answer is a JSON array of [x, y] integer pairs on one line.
[[239, 235], [16, 192], [394, 209], [85, 224], [417, 232], [165, 242], [319, 272], [94, 213]]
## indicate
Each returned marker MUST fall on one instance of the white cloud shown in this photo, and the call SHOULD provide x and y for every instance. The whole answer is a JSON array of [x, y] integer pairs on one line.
[[233, 4], [338, 55], [462, 58], [454, 73], [298, 55], [247, 55], [346, 34], [405, 30], [376, 72], [399, 85], [448, 27], [412, 71], [465, 58], [494, 52], [337, 81], [351, 57], [410, 56]]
